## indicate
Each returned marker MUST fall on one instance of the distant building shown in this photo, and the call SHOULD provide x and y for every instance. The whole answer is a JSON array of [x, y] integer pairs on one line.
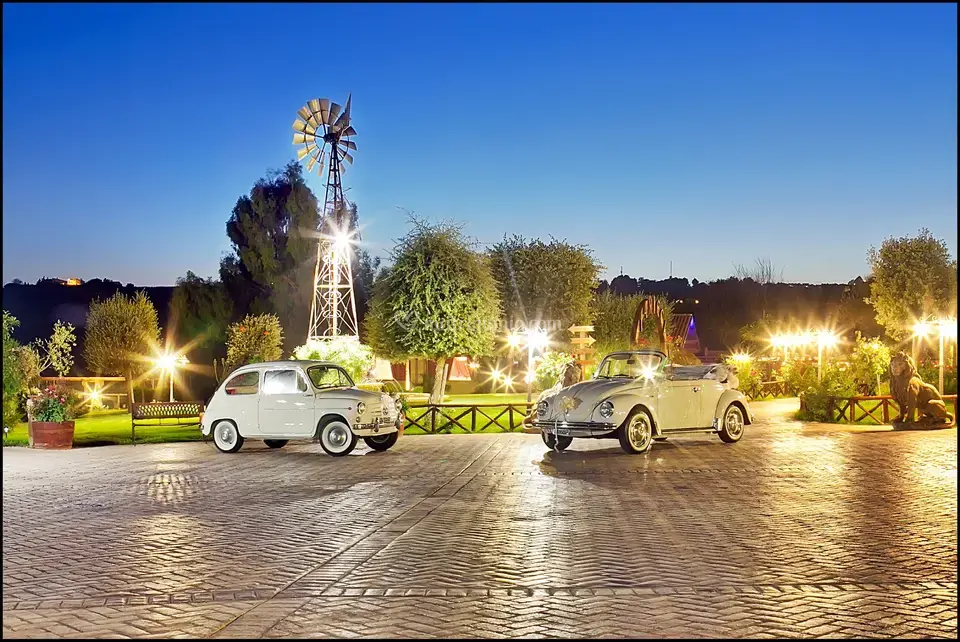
[[71, 281]]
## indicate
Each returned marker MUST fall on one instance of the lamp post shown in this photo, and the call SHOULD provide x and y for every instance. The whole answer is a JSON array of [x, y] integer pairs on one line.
[[824, 339], [947, 329], [170, 362], [921, 330], [535, 339]]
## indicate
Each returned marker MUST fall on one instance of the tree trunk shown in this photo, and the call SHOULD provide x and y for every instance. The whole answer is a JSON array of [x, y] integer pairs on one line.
[[129, 390], [439, 381]]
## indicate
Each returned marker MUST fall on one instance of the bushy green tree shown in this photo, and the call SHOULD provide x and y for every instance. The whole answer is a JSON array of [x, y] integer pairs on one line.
[[201, 310], [121, 336], [612, 320], [13, 377], [540, 281], [57, 351], [254, 339], [354, 357], [438, 300], [912, 277], [273, 231], [838, 382], [797, 376], [869, 362]]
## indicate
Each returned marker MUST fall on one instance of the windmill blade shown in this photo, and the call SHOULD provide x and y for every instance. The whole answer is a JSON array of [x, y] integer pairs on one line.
[[334, 112], [324, 111], [301, 126], [320, 168], [304, 113], [350, 131], [314, 105], [300, 139], [302, 152], [311, 163], [344, 119], [347, 157], [349, 144]]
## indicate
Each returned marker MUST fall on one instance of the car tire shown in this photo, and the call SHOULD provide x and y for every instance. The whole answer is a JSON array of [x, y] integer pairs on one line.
[[382, 442], [226, 437], [636, 432], [731, 428], [336, 438], [275, 443], [556, 443]]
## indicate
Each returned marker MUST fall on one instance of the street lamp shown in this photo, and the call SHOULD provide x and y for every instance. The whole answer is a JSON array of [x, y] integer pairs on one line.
[[535, 339], [824, 339], [170, 362], [947, 330]]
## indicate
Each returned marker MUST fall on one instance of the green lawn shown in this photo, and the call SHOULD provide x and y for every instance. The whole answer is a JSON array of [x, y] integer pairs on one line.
[[111, 427]]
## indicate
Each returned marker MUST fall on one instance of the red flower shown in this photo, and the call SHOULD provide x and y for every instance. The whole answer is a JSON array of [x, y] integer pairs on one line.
[[265, 333]]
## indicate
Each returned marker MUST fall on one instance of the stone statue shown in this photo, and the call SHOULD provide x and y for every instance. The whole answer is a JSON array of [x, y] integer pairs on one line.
[[912, 394]]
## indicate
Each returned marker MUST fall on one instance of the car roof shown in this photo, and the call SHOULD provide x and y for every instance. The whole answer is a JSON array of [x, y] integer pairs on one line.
[[287, 362]]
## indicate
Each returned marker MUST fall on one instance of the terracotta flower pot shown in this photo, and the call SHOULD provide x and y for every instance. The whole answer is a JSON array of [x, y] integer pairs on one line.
[[51, 435]]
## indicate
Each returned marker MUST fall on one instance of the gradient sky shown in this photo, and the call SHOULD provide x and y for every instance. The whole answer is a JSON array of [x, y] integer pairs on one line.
[[702, 134]]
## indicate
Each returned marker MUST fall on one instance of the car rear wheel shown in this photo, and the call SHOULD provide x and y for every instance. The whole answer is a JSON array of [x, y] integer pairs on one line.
[[226, 437], [731, 430], [636, 433], [382, 442], [275, 443], [556, 443], [336, 438]]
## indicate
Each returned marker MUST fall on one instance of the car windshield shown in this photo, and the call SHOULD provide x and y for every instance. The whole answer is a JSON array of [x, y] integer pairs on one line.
[[329, 377], [628, 364]]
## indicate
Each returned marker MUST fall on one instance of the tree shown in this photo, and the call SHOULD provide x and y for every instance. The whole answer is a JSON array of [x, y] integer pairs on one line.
[[540, 281], [254, 339], [365, 269], [274, 236], [439, 300], [912, 277], [613, 321], [201, 310], [763, 273], [57, 351], [354, 357], [121, 334], [13, 377], [869, 361]]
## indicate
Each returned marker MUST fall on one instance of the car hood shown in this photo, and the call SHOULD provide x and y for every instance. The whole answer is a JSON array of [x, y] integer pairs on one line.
[[577, 402]]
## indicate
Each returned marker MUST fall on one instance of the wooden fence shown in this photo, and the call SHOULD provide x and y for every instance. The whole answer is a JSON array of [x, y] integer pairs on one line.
[[880, 408], [446, 417]]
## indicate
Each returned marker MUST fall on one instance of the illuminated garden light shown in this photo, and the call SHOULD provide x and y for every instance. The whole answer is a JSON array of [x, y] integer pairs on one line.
[[170, 361], [535, 339]]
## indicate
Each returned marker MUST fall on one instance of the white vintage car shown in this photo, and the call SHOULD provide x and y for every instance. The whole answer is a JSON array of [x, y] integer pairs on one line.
[[311, 400], [638, 397]]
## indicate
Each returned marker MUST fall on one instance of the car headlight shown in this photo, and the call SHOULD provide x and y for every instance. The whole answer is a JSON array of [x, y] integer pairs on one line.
[[542, 408], [605, 409], [361, 407]]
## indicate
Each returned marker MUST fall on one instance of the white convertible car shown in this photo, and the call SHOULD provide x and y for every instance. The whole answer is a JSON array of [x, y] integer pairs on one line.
[[638, 397], [311, 400]]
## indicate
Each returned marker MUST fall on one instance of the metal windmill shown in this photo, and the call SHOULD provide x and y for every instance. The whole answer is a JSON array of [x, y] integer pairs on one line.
[[323, 129]]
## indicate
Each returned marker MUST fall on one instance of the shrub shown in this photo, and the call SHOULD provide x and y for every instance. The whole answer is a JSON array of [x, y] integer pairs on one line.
[[798, 376], [13, 376], [348, 353], [869, 361], [550, 369], [747, 375], [837, 381], [255, 339], [51, 405], [930, 373]]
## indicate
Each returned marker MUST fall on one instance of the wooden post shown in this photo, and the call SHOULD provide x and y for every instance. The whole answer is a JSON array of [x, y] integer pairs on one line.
[[582, 342], [886, 410]]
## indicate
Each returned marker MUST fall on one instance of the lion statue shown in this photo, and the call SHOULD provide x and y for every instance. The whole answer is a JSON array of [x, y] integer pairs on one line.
[[912, 394]]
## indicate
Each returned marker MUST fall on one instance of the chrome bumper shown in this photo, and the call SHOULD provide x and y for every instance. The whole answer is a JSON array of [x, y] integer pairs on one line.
[[574, 428], [380, 427]]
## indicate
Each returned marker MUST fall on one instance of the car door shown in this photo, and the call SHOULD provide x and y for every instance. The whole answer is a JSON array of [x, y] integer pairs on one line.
[[242, 401], [710, 393], [286, 404], [678, 404]]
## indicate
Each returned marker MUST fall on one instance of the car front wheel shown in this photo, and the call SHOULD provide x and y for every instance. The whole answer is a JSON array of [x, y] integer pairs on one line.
[[636, 433], [226, 437], [732, 428], [336, 438], [556, 443], [382, 442]]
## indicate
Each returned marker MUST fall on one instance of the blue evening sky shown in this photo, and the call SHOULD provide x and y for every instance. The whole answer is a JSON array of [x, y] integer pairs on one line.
[[702, 134]]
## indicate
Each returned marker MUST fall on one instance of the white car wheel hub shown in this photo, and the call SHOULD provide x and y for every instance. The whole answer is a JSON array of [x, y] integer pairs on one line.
[[336, 436], [639, 432], [733, 422], [225, 435]]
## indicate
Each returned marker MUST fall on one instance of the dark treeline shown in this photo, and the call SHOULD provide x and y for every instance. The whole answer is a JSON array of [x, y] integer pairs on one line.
[[721, 307]]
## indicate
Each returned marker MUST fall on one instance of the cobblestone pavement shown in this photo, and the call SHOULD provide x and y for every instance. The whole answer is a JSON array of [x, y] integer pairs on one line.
[[799, 530]]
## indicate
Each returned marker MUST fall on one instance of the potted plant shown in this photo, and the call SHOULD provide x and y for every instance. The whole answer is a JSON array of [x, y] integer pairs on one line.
[[51, 420]]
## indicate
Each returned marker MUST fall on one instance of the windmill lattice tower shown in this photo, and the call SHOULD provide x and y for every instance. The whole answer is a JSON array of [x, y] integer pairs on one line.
[[323, 129]]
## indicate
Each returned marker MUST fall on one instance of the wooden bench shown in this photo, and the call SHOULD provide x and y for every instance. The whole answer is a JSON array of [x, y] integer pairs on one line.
[[184, 413]]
